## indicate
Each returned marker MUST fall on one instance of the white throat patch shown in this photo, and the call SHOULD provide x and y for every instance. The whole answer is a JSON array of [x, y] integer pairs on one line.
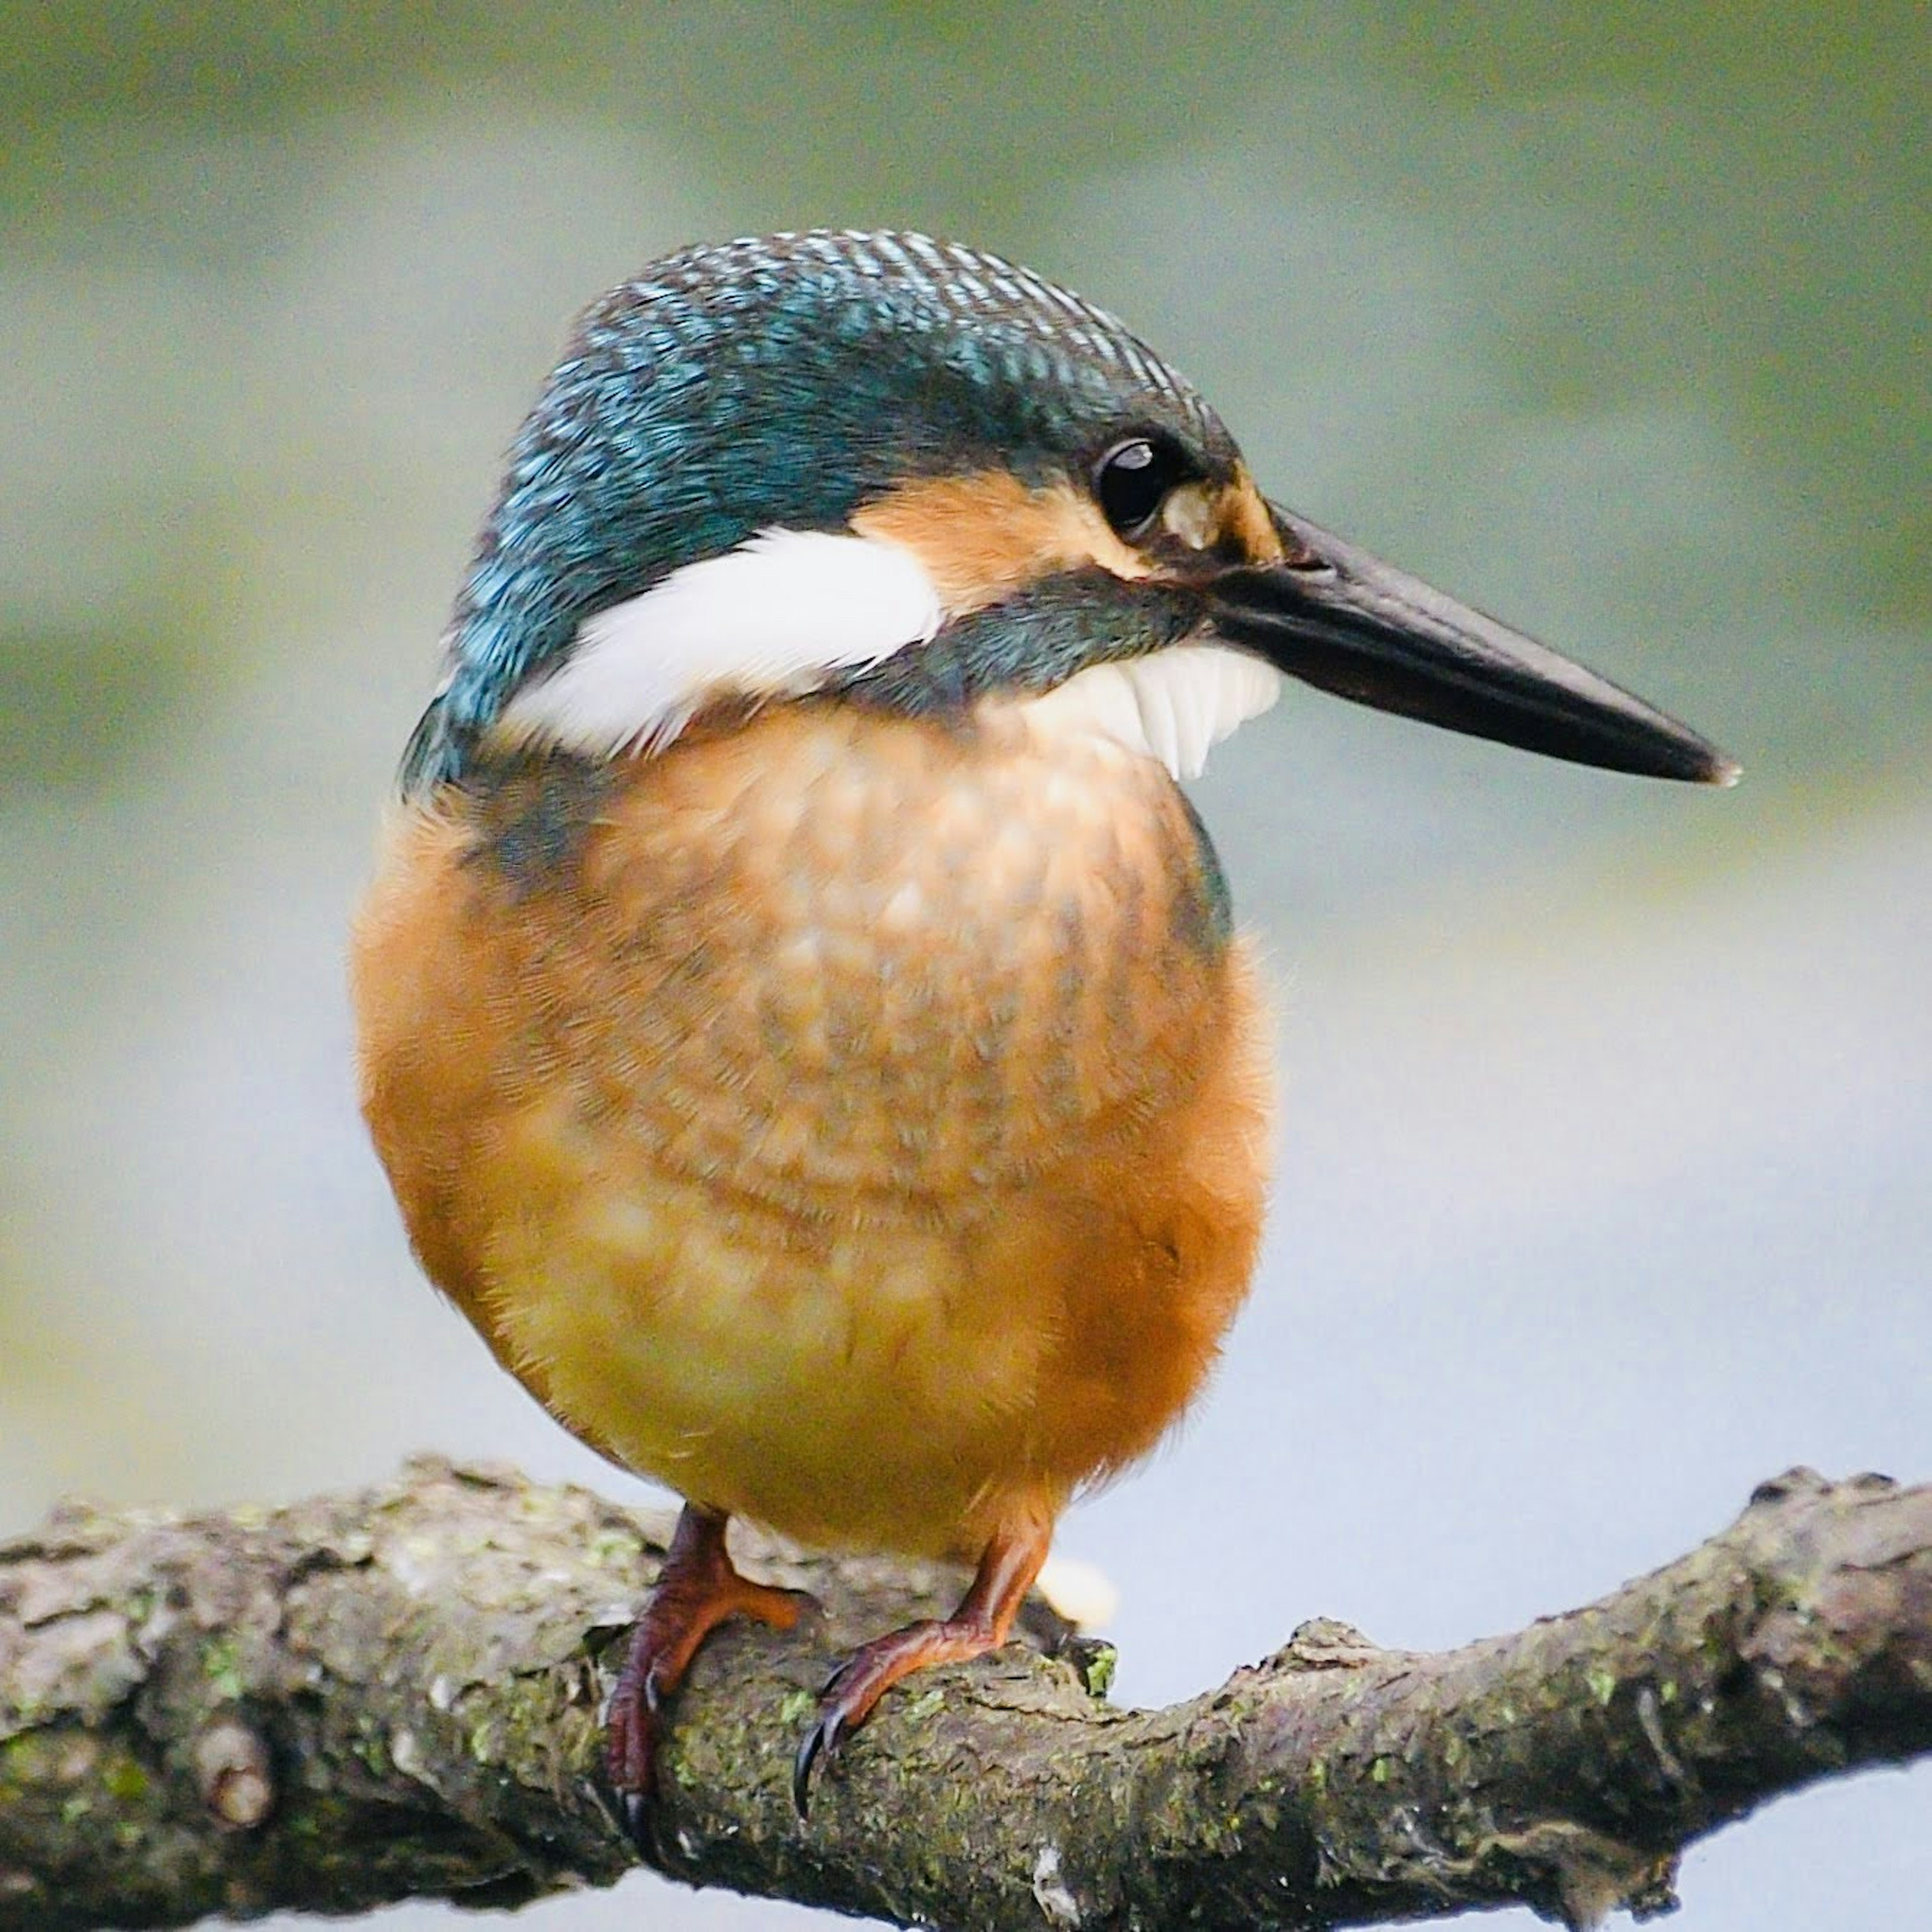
[[1175, 705], [771, 618]]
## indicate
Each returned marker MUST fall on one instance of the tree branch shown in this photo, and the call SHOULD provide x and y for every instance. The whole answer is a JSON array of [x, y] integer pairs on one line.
[[395, 1693]]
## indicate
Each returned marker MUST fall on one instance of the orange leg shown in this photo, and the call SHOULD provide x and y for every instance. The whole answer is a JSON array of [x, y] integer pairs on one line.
[[986, 1614], [697, 1589]]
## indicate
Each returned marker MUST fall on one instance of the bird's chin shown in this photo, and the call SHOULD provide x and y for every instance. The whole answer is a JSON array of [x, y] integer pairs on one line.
[[1173, 705]]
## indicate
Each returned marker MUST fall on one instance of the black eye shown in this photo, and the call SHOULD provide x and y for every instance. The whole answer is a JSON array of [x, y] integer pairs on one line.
[[1131, 482]]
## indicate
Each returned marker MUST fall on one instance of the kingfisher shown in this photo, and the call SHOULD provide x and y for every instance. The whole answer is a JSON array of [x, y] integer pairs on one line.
[[800, 1010]]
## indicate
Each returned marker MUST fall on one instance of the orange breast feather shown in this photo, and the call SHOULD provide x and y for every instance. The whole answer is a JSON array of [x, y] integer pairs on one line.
[[854, 1122]]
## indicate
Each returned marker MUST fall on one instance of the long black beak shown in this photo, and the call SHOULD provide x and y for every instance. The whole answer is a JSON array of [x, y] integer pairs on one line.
[[1333, 615]]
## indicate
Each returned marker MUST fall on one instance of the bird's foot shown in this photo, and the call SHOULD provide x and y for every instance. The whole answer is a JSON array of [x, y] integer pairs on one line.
[[865, 1676], [986, 1614], [697, 1589]]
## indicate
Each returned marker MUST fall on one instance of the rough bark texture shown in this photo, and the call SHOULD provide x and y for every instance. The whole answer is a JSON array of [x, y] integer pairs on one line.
[[368, 1697]]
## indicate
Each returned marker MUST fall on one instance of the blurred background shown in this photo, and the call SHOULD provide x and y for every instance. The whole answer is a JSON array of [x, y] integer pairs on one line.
[[1608, 1107]]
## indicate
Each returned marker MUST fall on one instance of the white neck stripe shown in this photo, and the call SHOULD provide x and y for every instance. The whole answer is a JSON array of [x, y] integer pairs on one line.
[[771, 618]]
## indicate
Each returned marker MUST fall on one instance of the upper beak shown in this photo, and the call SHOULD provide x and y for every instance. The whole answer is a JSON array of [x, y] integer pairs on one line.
[[1334, 615]]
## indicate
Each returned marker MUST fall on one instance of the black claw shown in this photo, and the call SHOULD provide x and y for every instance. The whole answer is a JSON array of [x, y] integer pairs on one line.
[[637, 1806], [822, 1740], [801, 1775]]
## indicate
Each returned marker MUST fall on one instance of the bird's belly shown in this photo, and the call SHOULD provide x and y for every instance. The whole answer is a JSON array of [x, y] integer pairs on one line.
[[854, 1124], [854, 1385]]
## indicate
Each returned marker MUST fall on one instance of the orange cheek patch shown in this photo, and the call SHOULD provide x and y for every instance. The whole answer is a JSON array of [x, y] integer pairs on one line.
[[1242, 514], [982, 537]]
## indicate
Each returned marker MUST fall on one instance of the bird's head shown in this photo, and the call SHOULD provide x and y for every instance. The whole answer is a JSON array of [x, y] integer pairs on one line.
[[919, 477]]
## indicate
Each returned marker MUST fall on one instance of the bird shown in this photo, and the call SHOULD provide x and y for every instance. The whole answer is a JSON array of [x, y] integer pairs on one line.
[[799, 1009]]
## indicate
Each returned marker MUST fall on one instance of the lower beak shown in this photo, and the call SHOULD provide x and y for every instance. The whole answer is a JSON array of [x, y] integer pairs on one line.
[[1333, 615]]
